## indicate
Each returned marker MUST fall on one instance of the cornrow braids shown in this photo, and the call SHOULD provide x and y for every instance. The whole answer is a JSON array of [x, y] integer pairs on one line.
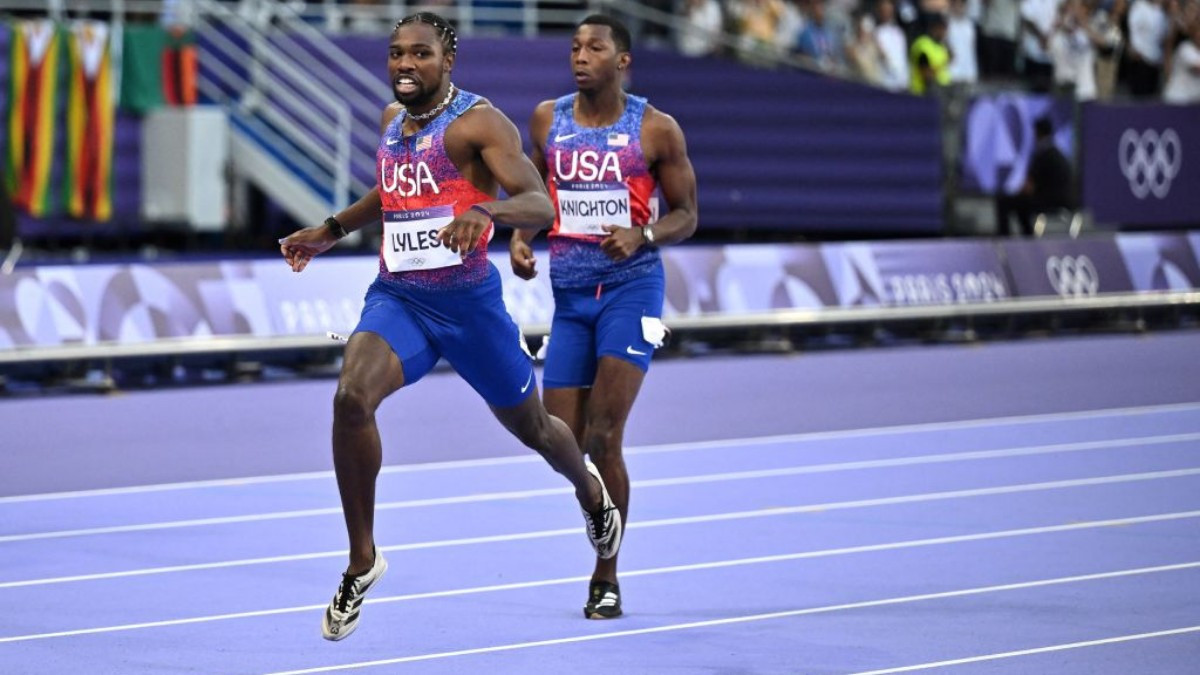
[[444, 30]]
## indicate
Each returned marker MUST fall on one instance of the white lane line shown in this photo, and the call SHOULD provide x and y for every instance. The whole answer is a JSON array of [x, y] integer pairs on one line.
[[884, 602], [632, 450], [672, 569], [640, 484], [1036, 650], [574, 531]]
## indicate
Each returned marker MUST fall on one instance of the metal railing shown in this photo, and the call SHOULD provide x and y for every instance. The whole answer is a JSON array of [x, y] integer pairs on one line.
[[254, 71]]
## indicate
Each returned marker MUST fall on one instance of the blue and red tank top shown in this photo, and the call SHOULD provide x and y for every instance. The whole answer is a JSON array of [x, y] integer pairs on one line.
[[422, 191], [597, 176]]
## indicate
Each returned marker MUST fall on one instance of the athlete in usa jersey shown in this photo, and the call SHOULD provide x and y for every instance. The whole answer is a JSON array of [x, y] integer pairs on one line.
[[442, 159], [421, 191], [603, 153], [597, 176]]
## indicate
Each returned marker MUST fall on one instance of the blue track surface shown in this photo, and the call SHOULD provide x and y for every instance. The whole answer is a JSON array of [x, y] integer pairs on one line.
[[1061, 541]]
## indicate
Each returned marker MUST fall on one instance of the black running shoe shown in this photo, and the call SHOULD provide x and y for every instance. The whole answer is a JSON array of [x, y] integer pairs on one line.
[[603, 526], [341, 617], [604, 601]]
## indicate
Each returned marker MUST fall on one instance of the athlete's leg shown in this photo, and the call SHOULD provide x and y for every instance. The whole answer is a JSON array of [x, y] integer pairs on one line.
[[370, 372], [625, 339], [568, 404], [616, 387], [550, 437], [486, 350]]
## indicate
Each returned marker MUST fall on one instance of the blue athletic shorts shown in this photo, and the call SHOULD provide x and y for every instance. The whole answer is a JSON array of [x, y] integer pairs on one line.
[[469, 327], [588, 324]]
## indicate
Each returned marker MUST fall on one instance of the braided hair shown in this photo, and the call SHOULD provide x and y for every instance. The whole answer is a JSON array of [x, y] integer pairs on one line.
[[444, 30]]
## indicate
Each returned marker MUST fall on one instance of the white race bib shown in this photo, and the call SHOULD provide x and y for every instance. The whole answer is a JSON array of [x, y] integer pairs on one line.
[[410, 240], [584, 208]]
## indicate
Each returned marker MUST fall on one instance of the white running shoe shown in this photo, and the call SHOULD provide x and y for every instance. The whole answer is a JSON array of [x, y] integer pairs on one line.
[[603, 526], [341, 617]]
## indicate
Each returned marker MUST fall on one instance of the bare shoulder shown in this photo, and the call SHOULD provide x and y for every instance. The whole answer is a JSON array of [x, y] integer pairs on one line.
[[544, 111], [659, 123], [539, 122], [662, 138], [389, 114], [482, 123], [486, 115]]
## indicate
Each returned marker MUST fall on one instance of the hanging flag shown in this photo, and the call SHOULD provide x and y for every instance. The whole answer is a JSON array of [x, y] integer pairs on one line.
[[158, 67], [141, 68], [179, 67], [33, 96], [91, 122]]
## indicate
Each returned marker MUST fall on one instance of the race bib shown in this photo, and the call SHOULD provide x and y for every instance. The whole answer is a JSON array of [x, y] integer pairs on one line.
[[410, 239], [584, 208]]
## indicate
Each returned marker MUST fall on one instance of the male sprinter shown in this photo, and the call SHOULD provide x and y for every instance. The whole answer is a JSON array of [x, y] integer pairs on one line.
[[603, 154], [443, 154]]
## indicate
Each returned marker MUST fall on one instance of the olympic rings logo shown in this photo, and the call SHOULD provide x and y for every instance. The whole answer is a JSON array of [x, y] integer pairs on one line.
[[416, 262], [1150, 161], [1073, 277]]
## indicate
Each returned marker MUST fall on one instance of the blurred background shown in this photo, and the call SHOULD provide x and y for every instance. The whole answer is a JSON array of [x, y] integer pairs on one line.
[[870, 171]]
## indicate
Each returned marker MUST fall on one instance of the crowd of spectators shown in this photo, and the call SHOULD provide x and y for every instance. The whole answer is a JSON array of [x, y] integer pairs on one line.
[[1093, 49]]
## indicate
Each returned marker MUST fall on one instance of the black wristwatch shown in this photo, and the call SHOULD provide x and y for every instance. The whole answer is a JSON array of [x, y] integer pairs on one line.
[[335, 228]]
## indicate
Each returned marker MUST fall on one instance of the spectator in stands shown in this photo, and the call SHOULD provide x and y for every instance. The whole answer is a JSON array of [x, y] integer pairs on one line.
[[999, 29], [1073, 51], [908, 16], [1109, 43], [893, 44], [1037, 25], [960, 40], [1183, 81], [929, 59], [703, 24], [1048, 184], [1148, 26], [863, 53], [757, 22], [367, 17], [790, 26], [820, 42]]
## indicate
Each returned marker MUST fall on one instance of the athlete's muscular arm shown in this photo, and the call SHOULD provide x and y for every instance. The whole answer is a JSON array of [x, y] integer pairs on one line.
[[666, 154], [669, 161], [494, 140], [299, 247], [520, 254]]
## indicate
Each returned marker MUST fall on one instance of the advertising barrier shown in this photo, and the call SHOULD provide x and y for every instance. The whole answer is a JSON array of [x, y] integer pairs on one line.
[[137, 303]]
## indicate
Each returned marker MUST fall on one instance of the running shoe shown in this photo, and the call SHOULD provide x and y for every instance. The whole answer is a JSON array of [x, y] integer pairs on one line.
[[603, 526], [604, 601], [341, 617]]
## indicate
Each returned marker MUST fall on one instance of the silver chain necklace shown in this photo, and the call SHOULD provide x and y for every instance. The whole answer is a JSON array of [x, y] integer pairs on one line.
[[436, 111]]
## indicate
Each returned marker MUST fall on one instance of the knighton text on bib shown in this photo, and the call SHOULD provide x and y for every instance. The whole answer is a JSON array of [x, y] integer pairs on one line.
[[584, 208], [410, 240]]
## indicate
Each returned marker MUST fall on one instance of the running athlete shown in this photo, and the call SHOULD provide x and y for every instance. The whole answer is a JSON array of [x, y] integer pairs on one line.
[[603, 153], [442, 156]]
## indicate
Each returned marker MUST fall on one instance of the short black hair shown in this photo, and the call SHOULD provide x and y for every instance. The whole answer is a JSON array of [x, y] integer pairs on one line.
[[444, 30], [620, 33], [1042, 127]]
